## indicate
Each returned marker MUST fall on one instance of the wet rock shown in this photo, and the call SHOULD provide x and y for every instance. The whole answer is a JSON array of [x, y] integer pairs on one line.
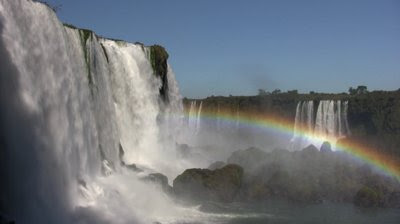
[[214, 185], [326, 147], [368, 197], [160, 180], [392, 200], [311, 149], [133, 167], [5, 220]]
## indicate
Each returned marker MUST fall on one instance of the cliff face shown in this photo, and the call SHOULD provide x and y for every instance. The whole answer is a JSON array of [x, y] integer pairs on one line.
[[69, 101], [374, 120], [374, 117], [157, 55], [158, 59]]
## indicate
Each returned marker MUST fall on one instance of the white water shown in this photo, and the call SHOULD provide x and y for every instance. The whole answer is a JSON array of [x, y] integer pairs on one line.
[[329, 123], [66, 106], [198, 122]]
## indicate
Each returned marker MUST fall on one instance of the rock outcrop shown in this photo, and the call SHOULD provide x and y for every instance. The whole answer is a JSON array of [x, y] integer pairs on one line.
[[158, 59], [160, 180], [312, 176], [203, 184]]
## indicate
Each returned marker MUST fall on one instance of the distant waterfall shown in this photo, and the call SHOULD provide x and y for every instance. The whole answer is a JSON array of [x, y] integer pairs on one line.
[[237, 124], [194, 118], [198, 123], [329, 123]]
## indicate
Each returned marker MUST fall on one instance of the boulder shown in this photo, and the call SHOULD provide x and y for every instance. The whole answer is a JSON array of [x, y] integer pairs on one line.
[[367, 197], [209, 185], [160, 180], [326, 147]]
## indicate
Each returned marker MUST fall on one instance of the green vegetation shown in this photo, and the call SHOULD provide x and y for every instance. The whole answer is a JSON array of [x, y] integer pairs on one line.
[[359, 90], [374, 117], [70, 26], [105, 52], [85, 35], [368, 197], [158, 60]]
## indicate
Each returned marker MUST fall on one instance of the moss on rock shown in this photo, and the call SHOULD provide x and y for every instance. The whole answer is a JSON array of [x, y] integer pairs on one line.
[[367, 197], [158, 60]]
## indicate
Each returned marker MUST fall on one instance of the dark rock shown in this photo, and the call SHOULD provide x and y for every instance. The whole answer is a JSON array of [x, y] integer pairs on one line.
[[133, 167], [326, 147], [311, 149], [392, 200], [216, 165], [5, 220], [158, 59], [367, 197], [203, 184], [160, 180]]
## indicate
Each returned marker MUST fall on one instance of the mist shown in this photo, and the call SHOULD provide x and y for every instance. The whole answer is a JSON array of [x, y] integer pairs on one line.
[[95, 130]]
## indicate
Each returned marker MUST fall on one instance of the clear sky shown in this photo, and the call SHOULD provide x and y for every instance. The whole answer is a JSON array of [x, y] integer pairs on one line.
[[222, 47]]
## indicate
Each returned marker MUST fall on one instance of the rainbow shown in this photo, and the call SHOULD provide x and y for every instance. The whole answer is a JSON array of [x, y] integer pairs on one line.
[[384, 163]]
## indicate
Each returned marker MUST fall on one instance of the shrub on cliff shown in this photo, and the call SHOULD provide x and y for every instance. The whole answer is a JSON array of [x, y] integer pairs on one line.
[[367, 197]]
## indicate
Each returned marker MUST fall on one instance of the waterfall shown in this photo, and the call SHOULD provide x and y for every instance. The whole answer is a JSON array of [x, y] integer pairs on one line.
[[136, 100], [329, 123], [194, 119], [192, 116], [237, 119], [218, 118], [198, 123], [69, 101]]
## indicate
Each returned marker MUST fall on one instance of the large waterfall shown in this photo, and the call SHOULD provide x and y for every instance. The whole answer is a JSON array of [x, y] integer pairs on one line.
[[71, 103], [328, 123]]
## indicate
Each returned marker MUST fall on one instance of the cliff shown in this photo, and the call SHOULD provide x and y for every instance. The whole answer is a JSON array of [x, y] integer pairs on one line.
[[374, 117], [157, 55]]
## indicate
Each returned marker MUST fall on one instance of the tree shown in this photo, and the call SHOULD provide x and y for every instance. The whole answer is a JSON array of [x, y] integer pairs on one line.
[[352, 91], [359, 90], [262, 92], [276, 91], [362, 90]]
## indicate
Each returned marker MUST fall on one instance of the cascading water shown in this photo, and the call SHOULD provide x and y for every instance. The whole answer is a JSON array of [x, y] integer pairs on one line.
[[329, 123], [198, 123], [194, 118], [69, 101]]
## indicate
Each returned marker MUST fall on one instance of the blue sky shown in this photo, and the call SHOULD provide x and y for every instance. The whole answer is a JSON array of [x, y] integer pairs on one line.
[[221, 47]]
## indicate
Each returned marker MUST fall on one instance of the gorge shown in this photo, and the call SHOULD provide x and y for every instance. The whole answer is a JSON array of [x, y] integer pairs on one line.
[[94, 130]]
